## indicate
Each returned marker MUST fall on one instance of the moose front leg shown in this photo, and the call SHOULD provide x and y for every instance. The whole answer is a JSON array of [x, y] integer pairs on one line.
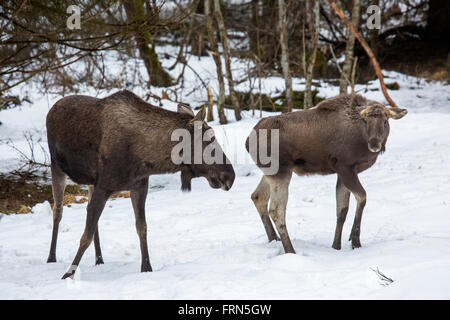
[[94, 210], [279, 191], [342, 201], [138, 196], [350, 180]]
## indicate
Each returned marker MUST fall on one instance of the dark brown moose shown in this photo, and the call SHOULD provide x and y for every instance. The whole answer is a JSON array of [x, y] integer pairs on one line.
[[115, 144], [342, 135]]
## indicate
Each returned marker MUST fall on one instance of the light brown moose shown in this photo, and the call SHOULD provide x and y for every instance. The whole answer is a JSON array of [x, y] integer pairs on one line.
[[115, 144], [342, 135]]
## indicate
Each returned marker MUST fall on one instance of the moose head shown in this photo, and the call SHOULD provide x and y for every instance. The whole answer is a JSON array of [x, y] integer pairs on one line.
[[201, 154], [376, 118]]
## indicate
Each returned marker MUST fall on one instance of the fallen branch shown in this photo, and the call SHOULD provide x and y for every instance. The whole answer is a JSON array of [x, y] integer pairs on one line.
[[384, 280], [369, 52]]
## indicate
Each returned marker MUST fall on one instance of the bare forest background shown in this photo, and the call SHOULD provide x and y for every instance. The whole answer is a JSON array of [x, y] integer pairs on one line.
[[156, 48], [304, 38]]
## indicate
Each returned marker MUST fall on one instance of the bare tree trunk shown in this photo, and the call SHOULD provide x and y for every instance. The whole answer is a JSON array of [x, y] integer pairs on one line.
[[210, 116], [217, 61], [259, 87], [158, 76], [374, 34], [226, 53], [285, 54], [257, 49], [349, 47], [197, 32], [253, 28], [309, 66]]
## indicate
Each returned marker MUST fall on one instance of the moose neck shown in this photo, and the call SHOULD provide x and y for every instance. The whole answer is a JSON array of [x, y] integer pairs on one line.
[[147, 135]]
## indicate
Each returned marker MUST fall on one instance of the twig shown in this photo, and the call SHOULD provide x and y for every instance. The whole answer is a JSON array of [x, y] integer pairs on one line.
[[385, 280], [338, 66], [369, 52], [29, 160]]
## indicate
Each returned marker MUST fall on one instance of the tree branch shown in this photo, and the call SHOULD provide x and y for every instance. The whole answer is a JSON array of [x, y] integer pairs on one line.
[[369, 52]]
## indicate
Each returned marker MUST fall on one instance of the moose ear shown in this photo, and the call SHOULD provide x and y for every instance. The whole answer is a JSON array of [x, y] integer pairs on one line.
[[200, 116], [397, 113], [183, 108]]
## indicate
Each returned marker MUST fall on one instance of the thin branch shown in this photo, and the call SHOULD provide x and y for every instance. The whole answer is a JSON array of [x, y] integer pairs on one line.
[[341, 72], [369, 52], [13, 17]]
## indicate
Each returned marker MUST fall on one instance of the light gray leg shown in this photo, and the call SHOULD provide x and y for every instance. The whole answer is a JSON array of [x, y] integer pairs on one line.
[[260, 198], [279, 191]]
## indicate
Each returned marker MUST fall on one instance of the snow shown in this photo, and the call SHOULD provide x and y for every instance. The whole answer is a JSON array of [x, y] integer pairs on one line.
[[211, 244]]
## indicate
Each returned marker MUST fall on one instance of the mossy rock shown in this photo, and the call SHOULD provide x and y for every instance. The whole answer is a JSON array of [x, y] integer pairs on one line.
[[298, 97], [245, 101], [393, 86], [274, 104]]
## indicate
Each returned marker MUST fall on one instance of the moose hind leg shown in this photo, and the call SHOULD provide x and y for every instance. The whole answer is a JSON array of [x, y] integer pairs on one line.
[[279, 191], [342, 201], [98, 250], [58, 186], [352, 183], [94, 210], [260, 198], [138, 196]]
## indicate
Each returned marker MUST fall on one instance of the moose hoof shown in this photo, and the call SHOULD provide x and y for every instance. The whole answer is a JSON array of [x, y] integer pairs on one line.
[[274, 238], [98, 260], [51, 259], [336, 246], [68, 275], [289, 250], [145, 266], [356, 243]]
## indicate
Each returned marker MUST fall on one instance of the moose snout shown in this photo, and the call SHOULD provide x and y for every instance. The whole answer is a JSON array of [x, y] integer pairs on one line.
[[227, 179], [374, 145]]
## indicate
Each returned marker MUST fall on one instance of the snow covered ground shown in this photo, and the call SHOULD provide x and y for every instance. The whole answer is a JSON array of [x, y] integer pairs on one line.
[[211, 244]]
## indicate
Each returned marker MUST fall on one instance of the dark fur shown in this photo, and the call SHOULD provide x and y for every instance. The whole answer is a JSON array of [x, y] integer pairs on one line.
[[333, 137], [115, 144]]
